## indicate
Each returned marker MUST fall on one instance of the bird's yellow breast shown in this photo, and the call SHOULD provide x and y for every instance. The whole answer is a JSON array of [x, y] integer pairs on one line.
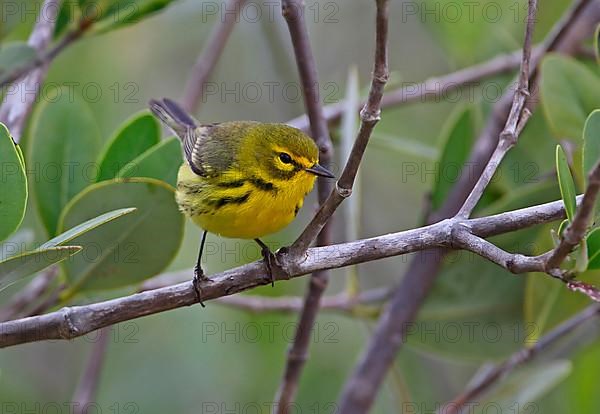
[[242, 205]]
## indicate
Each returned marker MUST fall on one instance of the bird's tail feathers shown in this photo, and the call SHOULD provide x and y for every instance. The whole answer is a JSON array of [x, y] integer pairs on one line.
[[172, 115]]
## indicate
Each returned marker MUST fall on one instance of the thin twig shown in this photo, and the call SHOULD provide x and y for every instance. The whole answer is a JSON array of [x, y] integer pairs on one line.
[[370, 115], [47, 56], [360, 389], [210, 55], [439, 86], [515, 263], [436, 87], [519, 358], [293, 12], [17, 106], [72, 322], [90, 379], [515, 122]]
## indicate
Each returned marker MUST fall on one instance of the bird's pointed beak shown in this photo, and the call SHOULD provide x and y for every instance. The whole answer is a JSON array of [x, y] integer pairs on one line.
[[320, 171]]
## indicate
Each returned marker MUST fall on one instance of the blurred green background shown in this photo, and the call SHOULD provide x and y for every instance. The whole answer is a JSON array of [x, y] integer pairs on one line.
[[197, 360]]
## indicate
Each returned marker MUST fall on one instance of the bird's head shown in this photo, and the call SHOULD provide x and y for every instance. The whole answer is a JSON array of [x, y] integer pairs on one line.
[[286, 153]]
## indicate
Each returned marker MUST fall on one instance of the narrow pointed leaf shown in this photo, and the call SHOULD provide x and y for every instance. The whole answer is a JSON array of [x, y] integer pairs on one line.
[[593, 247], [20, 266], [13, 185], [562, 227], [125, 251], [565, 181], [591, 142], [89, 225]]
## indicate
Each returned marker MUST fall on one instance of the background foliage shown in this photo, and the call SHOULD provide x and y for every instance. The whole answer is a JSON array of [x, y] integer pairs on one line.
[[91, 112]]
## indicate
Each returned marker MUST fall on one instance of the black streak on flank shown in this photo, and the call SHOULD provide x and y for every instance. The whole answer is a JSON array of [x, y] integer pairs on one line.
[[220, 202], [232, 184], [263, 185], [296, 210], [189, 189]]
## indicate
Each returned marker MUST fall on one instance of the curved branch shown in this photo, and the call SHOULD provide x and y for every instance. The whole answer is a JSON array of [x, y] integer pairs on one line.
[[72, 322], [293, 12], [360, 389]]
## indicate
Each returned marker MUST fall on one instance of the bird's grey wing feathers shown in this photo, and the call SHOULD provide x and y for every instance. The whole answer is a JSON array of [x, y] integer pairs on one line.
[[209, 149]]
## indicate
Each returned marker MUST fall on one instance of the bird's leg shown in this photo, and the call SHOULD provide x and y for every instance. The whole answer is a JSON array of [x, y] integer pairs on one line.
[[198, 272], [270, 260]]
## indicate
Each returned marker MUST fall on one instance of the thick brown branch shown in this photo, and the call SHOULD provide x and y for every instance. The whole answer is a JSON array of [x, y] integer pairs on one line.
[[72, 322]]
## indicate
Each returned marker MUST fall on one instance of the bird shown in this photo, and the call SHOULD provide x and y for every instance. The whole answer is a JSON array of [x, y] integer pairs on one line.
[[240, 179]]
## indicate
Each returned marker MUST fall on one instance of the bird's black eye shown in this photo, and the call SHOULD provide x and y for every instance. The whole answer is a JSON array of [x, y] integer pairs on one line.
[[285, 158]]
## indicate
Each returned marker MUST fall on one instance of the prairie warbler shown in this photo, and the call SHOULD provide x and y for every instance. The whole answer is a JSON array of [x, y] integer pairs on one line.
[[240, 179]]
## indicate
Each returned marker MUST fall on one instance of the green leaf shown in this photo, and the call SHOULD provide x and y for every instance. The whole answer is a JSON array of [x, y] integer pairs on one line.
[[28, 263], [547, 303], [14, 56], [521, 197], [593, 245], [135, 136], [457, 136], [13, 185], [538, 307], [12, 20], [120, 13], [68, 16], [591, 142], [17, 243], [565, 181], [584, 379], [64, 144], [127, 251], [84, 227], [162, 162], [562, 227], [407, 146], [581, 257], [569, 92]]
